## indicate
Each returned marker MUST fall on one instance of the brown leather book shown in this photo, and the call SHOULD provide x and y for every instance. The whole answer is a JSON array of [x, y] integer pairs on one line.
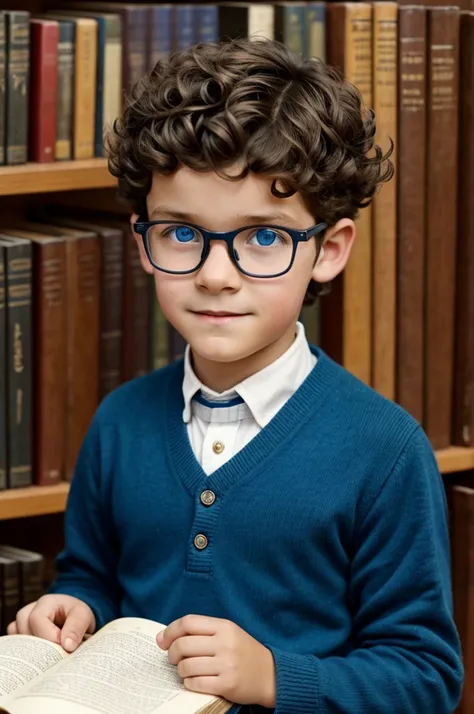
[[384, 214], [441, 220], [2, 86], [18, 258], [82, 333], [463, 422], [136, 312], [111, 296], [346, 313], [49, 350], [411, 185], [461, 502]]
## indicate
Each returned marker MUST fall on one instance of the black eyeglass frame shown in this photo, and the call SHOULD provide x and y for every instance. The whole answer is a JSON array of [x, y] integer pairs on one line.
[[297, 236]]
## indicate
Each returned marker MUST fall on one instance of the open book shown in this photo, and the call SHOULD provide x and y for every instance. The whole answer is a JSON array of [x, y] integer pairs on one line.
[[119, 670]]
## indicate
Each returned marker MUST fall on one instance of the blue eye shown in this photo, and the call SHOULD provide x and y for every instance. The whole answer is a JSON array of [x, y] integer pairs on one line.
[[265, 237], [184, 234]]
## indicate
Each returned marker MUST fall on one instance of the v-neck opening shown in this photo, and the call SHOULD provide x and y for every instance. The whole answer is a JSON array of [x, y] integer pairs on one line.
[[272, 437]]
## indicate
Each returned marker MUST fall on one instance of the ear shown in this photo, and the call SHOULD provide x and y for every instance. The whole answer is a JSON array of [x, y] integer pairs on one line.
[[335, 252], [146, 265]]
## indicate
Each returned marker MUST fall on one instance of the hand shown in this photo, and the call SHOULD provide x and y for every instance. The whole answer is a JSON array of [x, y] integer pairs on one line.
[[58, 618], [217, 657]]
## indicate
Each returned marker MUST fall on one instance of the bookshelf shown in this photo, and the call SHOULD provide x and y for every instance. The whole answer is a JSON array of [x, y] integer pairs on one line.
[[45, 500], [58, 176]]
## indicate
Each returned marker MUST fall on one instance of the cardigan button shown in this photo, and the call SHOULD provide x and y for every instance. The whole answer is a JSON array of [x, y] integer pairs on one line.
[[207, 498], [218, 447], [200, 541]]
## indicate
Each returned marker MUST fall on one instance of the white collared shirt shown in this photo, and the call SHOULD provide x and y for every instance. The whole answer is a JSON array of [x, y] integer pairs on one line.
[[264, 393]]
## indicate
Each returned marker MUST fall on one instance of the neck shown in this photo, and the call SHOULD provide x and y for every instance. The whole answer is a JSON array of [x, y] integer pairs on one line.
[[220, 376]]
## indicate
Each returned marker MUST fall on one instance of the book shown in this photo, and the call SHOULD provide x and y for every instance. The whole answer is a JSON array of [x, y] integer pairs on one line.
[[18, 289], [17, 33], [31, 572], [118, 670], [3, 375], [441, 218], [346, 312], [44, 90], [49, 352], [65, 106], [463, 431], [384, 212], [411, 186]]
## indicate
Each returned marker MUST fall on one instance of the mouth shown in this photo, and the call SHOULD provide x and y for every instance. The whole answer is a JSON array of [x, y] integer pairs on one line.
[[218, 316]]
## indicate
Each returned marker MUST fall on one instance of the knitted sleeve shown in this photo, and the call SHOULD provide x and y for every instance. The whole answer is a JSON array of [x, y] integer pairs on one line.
[[406, 655], [87, 567]]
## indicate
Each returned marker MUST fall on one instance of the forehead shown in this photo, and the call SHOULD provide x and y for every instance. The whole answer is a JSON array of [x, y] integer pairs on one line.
[[207, 196]]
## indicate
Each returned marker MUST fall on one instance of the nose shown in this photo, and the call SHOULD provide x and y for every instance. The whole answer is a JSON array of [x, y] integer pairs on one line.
[[218, 272]]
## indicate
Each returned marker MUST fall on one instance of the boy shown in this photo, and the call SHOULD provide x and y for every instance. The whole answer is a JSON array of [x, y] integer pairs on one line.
[[286, 522]]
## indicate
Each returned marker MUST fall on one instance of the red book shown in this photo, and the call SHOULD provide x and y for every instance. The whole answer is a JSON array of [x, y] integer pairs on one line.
[[43, 89]]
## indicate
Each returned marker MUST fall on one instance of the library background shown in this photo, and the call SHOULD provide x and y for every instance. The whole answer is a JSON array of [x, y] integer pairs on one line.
[[73, 328]]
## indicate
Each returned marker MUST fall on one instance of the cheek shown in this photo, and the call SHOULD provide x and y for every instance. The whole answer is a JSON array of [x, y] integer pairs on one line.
[[169, 291]]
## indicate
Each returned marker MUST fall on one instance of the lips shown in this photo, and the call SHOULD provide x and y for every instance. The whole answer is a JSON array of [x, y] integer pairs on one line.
[[220, 313]]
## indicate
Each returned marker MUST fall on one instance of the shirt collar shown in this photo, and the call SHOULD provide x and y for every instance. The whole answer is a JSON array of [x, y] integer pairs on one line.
[[264, 392]]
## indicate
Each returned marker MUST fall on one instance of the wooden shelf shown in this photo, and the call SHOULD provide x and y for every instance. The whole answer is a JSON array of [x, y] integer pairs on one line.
[[41, 500], [57, 176], [456, 458], [33, 501]]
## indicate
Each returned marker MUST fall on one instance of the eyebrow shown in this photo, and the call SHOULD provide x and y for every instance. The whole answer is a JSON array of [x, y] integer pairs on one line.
[[163, 212]]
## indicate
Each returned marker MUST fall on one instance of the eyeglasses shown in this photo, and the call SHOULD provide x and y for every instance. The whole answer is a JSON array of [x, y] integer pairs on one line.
[[257, 251]]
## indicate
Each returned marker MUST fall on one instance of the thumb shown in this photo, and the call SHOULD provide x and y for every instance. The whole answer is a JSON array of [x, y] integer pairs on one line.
[[78, 621]]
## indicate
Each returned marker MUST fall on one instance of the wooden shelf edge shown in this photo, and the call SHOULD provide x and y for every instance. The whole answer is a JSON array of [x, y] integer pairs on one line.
[[43, 500], [455, 458], [56, 176], [33, 501]]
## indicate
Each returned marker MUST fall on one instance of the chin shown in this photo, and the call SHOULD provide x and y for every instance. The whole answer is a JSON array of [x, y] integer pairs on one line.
[[219, 351]]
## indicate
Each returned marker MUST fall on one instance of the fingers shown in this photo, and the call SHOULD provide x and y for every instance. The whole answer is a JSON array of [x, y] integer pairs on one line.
[[198, 667], [41, 621], [187, 625], [191, 646], [78, 621]]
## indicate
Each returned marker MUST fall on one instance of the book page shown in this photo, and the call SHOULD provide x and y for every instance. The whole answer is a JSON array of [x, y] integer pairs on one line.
[[22, 660], [120, 670]]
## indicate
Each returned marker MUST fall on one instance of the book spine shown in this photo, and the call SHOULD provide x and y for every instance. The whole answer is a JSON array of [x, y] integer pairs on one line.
[[50, 361], [260, 20], [101, 44], [463, 431], [65, 112], [44, 91], [290, 27], [346, 313], [316, 24], [207, 23], [184, 26], [17, 86], [384, 213], [136, 313], [19, 368], [3, 375], [112, 73], [85, 88], [441, 210], [135, 45], [83, 285], [159, 332], [111, 330], [10, 590], [31, 575], [411, 186], [3, 61]]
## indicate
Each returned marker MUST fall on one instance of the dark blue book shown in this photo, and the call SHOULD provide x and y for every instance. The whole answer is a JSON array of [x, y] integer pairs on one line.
[[185, 27], [161, 30], [207, 23]]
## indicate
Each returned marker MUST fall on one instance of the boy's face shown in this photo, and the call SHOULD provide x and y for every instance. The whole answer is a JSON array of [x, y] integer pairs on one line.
[[262, 312]]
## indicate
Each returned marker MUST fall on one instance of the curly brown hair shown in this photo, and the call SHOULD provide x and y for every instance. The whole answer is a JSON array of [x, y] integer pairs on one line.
[[251, 102]]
